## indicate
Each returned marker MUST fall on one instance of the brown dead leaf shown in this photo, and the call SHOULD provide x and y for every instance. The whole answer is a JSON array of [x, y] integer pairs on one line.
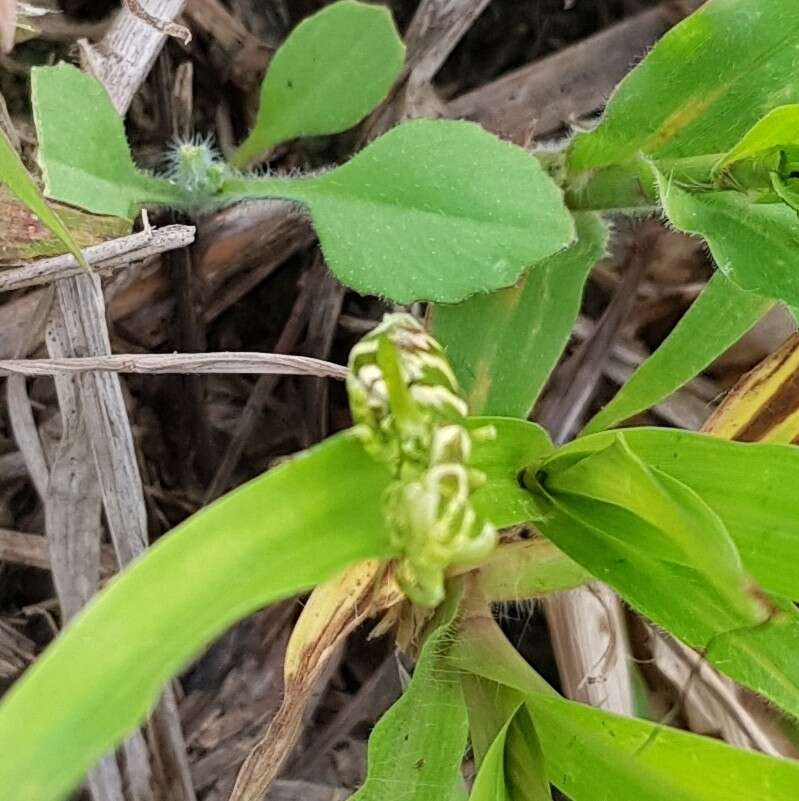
[[333, 610], [23, 237]]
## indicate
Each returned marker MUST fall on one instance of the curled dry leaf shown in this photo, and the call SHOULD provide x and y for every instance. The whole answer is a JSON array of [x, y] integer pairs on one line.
[[333, 610]]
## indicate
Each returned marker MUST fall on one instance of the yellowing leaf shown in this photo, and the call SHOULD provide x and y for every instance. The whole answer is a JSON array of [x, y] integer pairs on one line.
[[332, 612], [764, 405]]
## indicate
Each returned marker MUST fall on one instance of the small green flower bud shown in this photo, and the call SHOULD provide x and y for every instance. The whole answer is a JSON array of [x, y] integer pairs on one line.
[[198, 170], [409, 413]]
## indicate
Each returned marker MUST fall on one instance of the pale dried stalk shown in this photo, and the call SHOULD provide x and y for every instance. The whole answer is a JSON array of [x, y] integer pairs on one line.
[[111, 255], [178, 363], [20, 412], [587, 626], [167, 27], [713, 703], [435, 30], [72, 504], [121, 62], [8, 25], [333, 611], [80, 300], [128, 51], [589, 639]]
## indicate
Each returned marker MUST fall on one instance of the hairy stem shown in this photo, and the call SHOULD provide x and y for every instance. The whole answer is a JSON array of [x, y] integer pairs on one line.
[[632, 187]]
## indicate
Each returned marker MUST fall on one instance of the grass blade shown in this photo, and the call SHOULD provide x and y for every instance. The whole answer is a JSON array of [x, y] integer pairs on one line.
[[752, 639], [262, 542], [416, 748], [503, 346], [593, 754], [718, 318], [702, 86]]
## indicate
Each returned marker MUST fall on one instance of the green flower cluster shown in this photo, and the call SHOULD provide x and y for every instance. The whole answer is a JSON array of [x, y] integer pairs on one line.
[[409, 413]]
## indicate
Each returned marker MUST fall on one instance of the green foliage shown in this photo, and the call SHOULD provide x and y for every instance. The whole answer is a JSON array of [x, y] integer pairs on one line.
[[491, 783], [512, 768], [716, 320], [416, 749], [256, 545], [331, 71], [754, 245], [745, 633], [761, 514], [517, 444], [529, 569], [698, 534], [705, 83], [503, 346], [19, 181], [232, 559], [433, 210], [83, 153], [654, 514], [592, 754], [776, 135], [635, 760], [746, 485]]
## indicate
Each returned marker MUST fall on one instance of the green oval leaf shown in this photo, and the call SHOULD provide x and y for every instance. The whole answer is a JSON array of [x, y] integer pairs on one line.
[[704, 84], [434, 210], [83, 152], [333, 69]]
